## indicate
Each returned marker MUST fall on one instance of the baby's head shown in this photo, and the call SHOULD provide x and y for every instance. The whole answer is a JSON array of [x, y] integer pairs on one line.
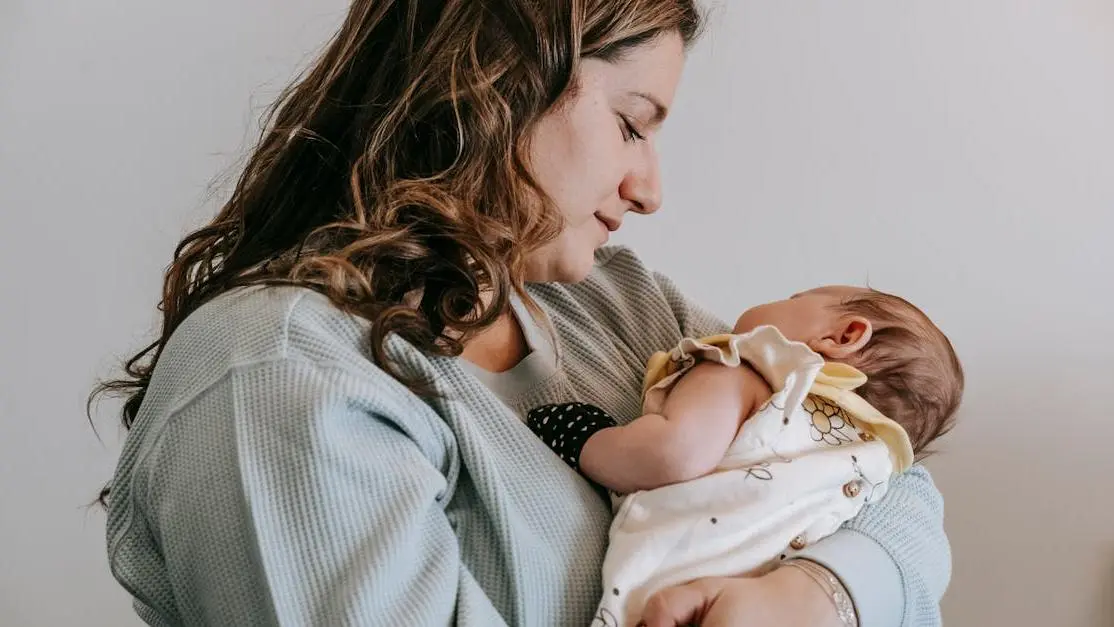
[[914, 376]]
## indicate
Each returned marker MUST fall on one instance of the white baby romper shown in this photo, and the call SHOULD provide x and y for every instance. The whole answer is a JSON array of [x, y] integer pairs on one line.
[[802, 465]]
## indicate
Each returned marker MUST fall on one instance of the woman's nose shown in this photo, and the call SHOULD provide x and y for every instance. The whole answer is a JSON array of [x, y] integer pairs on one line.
[[642, 187]]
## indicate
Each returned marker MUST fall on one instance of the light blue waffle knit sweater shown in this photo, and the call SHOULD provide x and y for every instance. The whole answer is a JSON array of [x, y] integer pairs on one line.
[[276, 477]]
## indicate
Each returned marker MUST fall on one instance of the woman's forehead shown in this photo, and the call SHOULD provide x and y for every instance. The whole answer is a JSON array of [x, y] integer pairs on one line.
[[649, 71]]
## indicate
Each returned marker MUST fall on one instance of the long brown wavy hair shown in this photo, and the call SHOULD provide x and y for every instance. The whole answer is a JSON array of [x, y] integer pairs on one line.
[[392, 175]]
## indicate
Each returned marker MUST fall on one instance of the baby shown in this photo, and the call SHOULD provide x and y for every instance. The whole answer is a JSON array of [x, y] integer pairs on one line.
[[761, 441]]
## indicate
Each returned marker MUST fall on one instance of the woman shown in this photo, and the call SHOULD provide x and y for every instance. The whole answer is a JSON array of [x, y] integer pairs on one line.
[[328, 430]]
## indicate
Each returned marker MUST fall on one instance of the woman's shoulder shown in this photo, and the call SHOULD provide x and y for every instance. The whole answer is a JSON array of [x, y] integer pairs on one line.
[[622, 277], [267, 357], [256, 325], [619, 277], [623, 293], [619, 262], [263, 322]]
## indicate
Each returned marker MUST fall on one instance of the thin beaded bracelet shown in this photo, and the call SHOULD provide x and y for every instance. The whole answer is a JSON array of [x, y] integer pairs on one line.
[[832, 586]]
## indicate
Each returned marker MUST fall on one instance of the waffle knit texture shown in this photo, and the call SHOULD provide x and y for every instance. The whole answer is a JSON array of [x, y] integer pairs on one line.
[[275, 476]]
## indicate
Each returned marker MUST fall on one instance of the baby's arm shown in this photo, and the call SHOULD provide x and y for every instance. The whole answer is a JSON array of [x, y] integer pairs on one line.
[[699, 420]]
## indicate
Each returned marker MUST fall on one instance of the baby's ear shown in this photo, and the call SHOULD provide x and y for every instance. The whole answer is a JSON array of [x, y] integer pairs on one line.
[[849, 335]]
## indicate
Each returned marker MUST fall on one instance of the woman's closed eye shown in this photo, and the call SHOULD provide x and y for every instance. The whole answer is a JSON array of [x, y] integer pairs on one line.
[[630, 132]]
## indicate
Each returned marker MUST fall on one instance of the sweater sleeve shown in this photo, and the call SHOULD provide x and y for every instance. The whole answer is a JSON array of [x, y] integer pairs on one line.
[[894, 557], [286, 494]]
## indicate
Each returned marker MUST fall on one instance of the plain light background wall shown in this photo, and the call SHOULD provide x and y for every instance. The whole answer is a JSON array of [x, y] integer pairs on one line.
[[959, 153]]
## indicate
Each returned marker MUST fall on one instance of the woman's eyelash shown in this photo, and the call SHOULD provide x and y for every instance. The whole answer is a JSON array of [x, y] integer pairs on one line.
[[630, 132]]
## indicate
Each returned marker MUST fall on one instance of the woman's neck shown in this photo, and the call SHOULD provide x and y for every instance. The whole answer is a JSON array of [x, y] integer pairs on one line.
[[499, 347]]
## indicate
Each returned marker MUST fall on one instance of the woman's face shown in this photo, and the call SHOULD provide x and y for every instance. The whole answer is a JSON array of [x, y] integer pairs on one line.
[[595, 156]]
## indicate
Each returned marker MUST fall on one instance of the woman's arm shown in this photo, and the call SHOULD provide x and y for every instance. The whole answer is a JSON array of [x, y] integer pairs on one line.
[[783, 597], [305, 507], [894, 557]]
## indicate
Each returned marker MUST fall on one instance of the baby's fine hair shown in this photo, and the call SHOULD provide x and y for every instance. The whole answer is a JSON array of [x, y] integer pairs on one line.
[[913, 373]]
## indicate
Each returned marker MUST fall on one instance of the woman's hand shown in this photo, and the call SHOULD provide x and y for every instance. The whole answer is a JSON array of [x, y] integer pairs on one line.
[[786, 597]]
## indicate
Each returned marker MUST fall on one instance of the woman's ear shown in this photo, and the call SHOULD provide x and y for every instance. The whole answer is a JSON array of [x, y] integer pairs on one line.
[[848, 336]]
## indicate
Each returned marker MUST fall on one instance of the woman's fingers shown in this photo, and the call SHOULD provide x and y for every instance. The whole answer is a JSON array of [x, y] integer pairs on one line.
[[682, 605]]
